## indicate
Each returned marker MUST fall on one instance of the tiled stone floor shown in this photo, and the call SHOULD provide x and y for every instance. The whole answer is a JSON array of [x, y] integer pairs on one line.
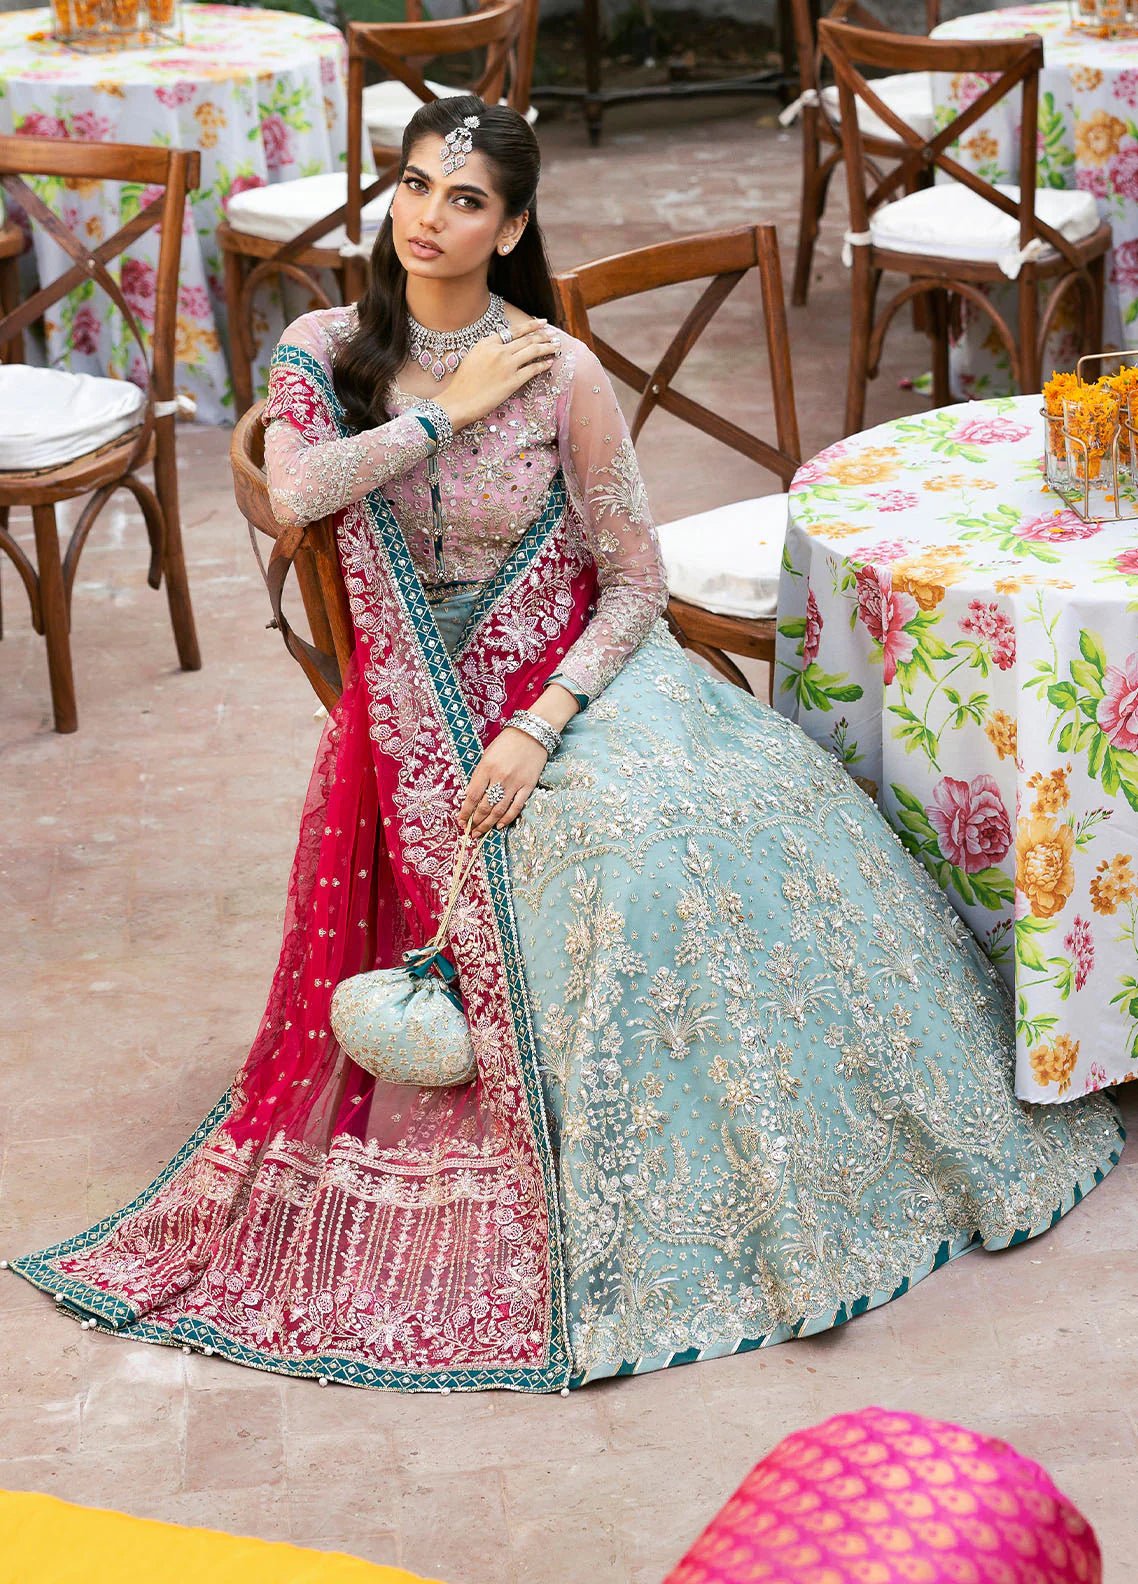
[[143, 875]]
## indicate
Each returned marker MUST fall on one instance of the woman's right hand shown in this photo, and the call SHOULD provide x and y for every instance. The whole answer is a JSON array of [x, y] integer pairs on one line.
[[494, 369]]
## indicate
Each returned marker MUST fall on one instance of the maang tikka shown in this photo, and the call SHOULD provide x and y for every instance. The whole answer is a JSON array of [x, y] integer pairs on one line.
[[457, 145]]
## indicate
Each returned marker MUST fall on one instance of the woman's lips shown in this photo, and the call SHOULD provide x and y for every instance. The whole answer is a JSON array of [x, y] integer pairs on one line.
[[423, 249]]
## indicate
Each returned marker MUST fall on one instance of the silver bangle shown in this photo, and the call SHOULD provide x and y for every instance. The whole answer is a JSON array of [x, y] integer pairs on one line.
[[540, 730], [440, 419]]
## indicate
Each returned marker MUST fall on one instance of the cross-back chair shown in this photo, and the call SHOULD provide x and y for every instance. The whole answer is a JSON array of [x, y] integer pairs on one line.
[[294, 230], [949, 239], [11, 246], [723, 565], [114, 428], [909, 95], [311, 551]]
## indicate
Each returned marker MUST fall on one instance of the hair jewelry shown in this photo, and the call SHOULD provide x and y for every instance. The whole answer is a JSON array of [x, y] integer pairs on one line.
[[457, 145]]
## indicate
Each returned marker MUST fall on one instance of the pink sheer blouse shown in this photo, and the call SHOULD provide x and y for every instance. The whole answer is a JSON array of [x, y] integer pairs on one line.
[[494, 478]]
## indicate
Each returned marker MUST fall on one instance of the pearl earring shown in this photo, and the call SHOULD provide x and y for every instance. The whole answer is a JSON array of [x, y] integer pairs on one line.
[[505, 247]]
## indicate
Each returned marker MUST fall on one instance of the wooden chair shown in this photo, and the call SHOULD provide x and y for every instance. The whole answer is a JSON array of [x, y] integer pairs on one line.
[[112, 464], [311, 550], [910, 97], [730, 557], [946, 239], [11, 246], [400, 49]]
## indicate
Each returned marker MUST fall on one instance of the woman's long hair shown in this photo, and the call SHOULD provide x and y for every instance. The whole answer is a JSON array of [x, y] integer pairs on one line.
[[367, 363]]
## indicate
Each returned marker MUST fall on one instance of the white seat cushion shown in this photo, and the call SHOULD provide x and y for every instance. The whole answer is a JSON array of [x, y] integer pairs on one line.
[[909, 95], [389, 105], [282, 211], [48, 416], [951, 221], [728, 560]]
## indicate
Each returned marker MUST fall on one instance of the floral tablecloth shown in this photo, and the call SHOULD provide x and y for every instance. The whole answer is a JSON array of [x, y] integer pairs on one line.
[[260, 93], [1088, 138], [968, 646]]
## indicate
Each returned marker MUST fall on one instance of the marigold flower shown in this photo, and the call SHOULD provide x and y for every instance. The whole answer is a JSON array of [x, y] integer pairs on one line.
[[1045, 872]]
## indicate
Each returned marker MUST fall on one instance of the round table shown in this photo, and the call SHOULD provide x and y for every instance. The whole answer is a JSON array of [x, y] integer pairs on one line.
[[968, 646], [1088, 138], [260, 93]]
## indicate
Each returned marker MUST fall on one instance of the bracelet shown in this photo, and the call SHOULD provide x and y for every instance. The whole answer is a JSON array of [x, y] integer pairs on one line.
[[439, 419], [540, 730]]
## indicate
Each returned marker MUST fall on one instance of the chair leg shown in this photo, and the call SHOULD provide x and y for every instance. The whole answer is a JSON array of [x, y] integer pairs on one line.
[[938, 312], [1097, 306], [173, 558], [812, 203], [56, 623], [1030, 354], [240, 361], [862, 294]]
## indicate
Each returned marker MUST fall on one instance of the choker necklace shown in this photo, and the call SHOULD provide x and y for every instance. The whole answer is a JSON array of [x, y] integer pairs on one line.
[[441, 351]]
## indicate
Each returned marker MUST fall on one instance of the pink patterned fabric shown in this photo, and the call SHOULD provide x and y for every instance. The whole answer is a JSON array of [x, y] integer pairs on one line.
[[893, 1498]]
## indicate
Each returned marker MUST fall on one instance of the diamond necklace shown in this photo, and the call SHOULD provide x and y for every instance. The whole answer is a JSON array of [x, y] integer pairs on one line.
[[441, 351]]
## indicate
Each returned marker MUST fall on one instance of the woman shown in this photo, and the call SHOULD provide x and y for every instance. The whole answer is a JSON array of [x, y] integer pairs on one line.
[[741, 1072]]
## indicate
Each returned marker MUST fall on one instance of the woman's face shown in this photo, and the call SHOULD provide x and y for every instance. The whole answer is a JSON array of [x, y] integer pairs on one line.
[[446, 227]]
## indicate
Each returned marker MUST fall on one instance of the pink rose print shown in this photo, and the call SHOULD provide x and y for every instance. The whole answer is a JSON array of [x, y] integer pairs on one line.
[[329, 70], [194, 300], [810, 473], [241, 184], [1091, 179], [990, 626], [85, 331], [176, 94], [1080, 943], [138, 287], [1096, 1078], [888, 550], [91, 127], [1126, 562], [990, 431], [968, 86], [884, 614], [813, 629], [277, 139], [1117, 712], [894, 500], [1123, 171], [1124, 269], [39, 125], [1126, 88], [1055, 527], [971, 822]]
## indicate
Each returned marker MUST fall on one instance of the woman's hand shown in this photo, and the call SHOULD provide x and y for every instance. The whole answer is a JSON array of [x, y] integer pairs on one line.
[[515, 761], [494, 369]]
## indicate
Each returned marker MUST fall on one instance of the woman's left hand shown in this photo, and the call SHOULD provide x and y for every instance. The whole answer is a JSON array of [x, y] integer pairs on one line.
[[515, 761]]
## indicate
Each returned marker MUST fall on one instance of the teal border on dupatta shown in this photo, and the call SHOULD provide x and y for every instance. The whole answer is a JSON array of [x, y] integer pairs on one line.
[[114, 1315]]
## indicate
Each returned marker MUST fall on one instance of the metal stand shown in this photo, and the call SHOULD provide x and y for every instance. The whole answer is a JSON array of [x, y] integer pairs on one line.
[[596, 99]]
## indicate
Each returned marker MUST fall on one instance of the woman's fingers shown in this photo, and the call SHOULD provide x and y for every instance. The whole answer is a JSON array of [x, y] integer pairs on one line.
[[513, 808]]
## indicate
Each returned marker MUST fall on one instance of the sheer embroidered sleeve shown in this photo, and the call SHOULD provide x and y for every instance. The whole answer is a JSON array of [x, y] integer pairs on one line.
[[605, 485], [312, 469]]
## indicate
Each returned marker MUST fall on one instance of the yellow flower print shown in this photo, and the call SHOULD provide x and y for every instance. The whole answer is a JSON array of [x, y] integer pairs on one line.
[[927, 576], [957, 481], [330, 113], [209, 119], [1051, 791], [872, 466], [1044, 871], [1054, 1064], [1085, 78], [1001, 731], [982, 146], [1112, 883], [191, 342], [93, 226], [836, 530], [1012, 585], [1097, 138], [112, 89]]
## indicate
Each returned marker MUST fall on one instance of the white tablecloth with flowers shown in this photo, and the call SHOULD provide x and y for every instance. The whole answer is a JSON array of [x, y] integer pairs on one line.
[[260, 93], [968, 646], [1088, 138]]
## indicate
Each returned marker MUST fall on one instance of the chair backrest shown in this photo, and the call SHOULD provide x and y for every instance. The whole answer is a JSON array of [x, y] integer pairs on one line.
[[176, 172], [804, 15], [722, 258], [1004, 64], [311, 551]]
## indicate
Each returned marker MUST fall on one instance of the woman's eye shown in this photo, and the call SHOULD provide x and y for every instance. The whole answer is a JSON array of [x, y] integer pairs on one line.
[[414, 183], [465, 198]]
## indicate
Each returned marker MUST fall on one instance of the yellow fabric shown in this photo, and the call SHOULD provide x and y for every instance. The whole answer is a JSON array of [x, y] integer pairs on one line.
[[46, 1541]]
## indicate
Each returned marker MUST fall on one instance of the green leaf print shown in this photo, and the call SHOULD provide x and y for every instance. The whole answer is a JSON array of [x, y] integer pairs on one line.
[[816, 689], [1056, 156], [988, 888], [998, 528]]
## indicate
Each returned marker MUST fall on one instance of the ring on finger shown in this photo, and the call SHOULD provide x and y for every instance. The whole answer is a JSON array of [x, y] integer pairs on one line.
[[494, 794]]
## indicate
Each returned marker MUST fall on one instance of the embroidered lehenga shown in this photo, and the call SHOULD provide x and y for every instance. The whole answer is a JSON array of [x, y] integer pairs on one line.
[[743, 1074]]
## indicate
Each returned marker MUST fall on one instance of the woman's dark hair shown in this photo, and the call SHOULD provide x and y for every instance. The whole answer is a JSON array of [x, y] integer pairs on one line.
[[367, 363]]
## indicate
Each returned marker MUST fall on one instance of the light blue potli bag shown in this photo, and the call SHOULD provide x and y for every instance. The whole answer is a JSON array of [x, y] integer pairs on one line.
[[406, 1025]]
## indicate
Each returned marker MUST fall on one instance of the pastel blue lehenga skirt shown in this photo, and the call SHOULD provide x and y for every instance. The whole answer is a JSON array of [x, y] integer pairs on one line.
[[777, 1066]]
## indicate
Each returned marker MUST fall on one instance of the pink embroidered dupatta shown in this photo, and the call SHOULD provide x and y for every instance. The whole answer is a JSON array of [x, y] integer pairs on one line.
[[320, 1223]]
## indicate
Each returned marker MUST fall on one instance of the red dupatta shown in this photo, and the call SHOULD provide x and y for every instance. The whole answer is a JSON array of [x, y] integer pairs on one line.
[[320, 1223]]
